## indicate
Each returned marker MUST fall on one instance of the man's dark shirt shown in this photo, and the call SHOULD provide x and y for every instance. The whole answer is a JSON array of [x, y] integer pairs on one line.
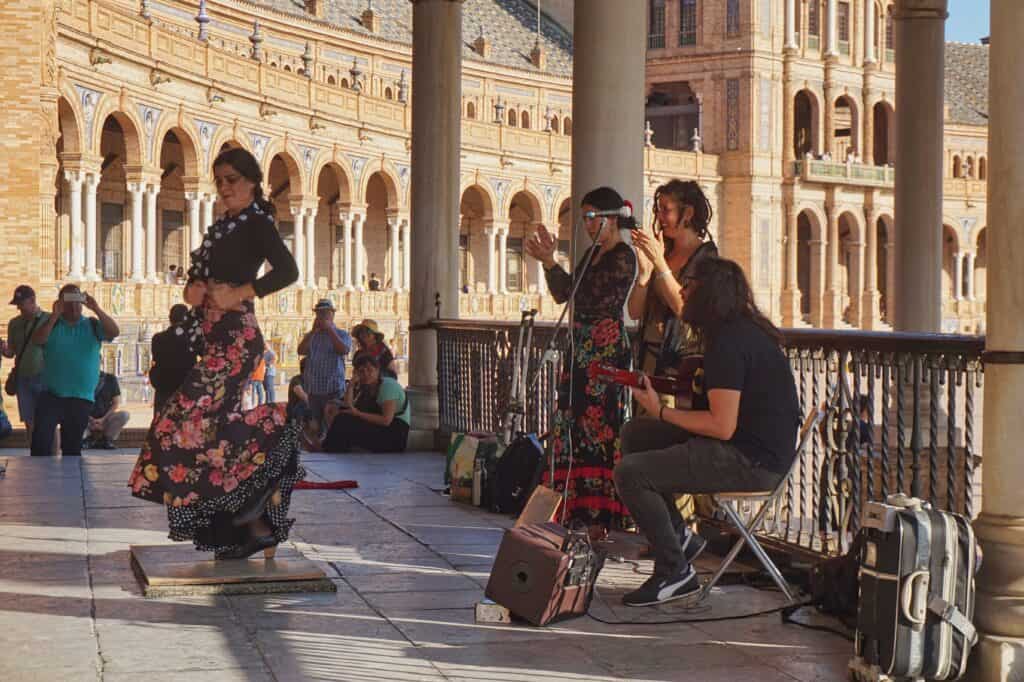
[[107, 389], [172, 360], [744, 358]]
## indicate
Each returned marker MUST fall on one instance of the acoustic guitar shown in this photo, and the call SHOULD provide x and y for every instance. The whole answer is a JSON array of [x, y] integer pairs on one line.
[[684, 385]]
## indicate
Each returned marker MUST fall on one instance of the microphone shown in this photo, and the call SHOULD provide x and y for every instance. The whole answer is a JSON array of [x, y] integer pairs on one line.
[[625, 212]]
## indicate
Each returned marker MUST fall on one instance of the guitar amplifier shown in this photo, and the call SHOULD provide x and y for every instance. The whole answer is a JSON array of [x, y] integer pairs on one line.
[[544, 573]]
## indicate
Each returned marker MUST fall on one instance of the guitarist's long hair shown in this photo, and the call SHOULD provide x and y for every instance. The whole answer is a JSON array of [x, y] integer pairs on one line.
[[722, 295]]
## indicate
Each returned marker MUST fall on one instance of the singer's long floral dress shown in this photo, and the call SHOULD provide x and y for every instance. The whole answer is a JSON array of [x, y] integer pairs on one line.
[[585, 435]]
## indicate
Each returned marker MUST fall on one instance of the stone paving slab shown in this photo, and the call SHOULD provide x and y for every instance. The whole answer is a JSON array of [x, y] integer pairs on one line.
[[408, 566]]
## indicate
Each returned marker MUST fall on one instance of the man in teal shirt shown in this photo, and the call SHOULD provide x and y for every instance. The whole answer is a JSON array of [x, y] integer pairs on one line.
[[71, 362]]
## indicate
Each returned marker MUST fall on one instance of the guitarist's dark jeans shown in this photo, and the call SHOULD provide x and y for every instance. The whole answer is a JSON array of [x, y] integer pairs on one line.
[[659, 460]]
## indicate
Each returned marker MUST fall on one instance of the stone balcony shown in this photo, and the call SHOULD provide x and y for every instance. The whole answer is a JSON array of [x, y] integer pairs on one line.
[[836, 173]]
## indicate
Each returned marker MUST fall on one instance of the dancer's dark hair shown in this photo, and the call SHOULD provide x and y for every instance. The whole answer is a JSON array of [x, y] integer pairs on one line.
[[249, 168], [722, 294], [684, 193]]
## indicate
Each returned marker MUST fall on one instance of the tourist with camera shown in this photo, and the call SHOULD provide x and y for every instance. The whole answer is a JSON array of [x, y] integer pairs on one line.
[[325, 346], [71, 362]]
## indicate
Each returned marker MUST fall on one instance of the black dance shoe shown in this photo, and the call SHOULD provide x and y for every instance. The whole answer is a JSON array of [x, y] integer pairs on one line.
[[267, 543]]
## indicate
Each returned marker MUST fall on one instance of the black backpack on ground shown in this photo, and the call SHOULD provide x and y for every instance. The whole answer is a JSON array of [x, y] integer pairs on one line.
[[516, 473]]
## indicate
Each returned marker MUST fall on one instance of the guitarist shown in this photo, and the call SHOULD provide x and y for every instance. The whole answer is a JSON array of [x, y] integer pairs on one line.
[[744, 441]]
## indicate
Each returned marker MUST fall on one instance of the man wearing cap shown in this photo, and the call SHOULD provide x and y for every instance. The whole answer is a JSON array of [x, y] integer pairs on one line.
[[325, 347], [29, 367]]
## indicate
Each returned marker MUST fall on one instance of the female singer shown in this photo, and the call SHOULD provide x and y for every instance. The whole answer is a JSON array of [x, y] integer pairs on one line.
[[585, 434], [224, 474], [678, 240]]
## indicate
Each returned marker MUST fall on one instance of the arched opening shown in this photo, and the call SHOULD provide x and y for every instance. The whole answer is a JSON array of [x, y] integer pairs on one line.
[[524, 214], [279, 184], [969, 167], [470, 110], [805, 232], [882, 123], [957, 166], [981, 266], [344, 83], [555, 123], [804, 137], [850, 267], [68, 143], [674, 114], [332, 190], [172, 209], [381, 210], [113, 205], [287, 68], [513, 118], [331, 81], [388, 94], [982, 168], [845, 140], [884, 256], [950, 249], [476, 215], [567, 126], [524, 120]]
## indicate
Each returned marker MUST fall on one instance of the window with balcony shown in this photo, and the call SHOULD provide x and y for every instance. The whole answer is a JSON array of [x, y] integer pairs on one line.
[[844, 27], [687, 22], [656, 25], [470, 110], [732, 18], [814, 24], [514, 253]]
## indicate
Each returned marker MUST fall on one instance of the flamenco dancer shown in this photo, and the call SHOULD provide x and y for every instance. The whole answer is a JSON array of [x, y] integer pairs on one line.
[[224, 475], [585, 433]]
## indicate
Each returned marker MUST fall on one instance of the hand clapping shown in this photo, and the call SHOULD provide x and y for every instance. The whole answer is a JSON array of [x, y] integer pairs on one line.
[[542, 246]]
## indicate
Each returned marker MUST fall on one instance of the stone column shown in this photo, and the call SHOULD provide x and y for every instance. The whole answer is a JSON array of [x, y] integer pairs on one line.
[[832, 313], [406, 253], [788, 115], [958, 275], [830, 118], [151, 237], [999, 613], [208, 201], [75, 180], [542, 282], [394, 254], [791, 316], [856, 292], [503, 260], [311, 248], [969, 268], [869, 310], [832, 21], [358, 254], [609, 39], [869, 32], [890, 277], [299, 243], [92, 181], [492, 263], [817, 248], [137, 190], [920, 26], [868, 126], [195, 229], [790, 43], [346, 252], [436, 144]]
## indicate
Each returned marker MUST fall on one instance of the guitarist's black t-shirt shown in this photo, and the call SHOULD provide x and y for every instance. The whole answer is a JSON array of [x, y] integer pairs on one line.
[[742, 357]]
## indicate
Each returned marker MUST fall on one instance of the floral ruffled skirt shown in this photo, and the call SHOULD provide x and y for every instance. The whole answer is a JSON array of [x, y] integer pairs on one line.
[[206, 460]]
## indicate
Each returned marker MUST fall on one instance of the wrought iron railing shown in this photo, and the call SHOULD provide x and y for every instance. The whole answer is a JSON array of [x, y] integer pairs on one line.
[[918, 435]]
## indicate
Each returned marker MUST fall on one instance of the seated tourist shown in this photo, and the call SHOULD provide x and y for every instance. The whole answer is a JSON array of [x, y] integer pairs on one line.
[[375, 415], [371, 340], [744, 441], [105, 420]]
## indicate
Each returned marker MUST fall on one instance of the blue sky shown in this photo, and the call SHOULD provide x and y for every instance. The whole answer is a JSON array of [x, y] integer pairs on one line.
[[968, 20]]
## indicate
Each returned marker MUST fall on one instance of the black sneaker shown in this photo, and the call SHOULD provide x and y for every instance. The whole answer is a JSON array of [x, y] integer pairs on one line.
[[662, 590], [105, 444], [691, 543]]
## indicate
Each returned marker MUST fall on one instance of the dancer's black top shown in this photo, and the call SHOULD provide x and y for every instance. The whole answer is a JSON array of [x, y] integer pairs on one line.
[[234, 248]]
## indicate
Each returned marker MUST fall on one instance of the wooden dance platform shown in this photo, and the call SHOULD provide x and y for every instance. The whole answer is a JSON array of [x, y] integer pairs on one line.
[[179, 570]]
